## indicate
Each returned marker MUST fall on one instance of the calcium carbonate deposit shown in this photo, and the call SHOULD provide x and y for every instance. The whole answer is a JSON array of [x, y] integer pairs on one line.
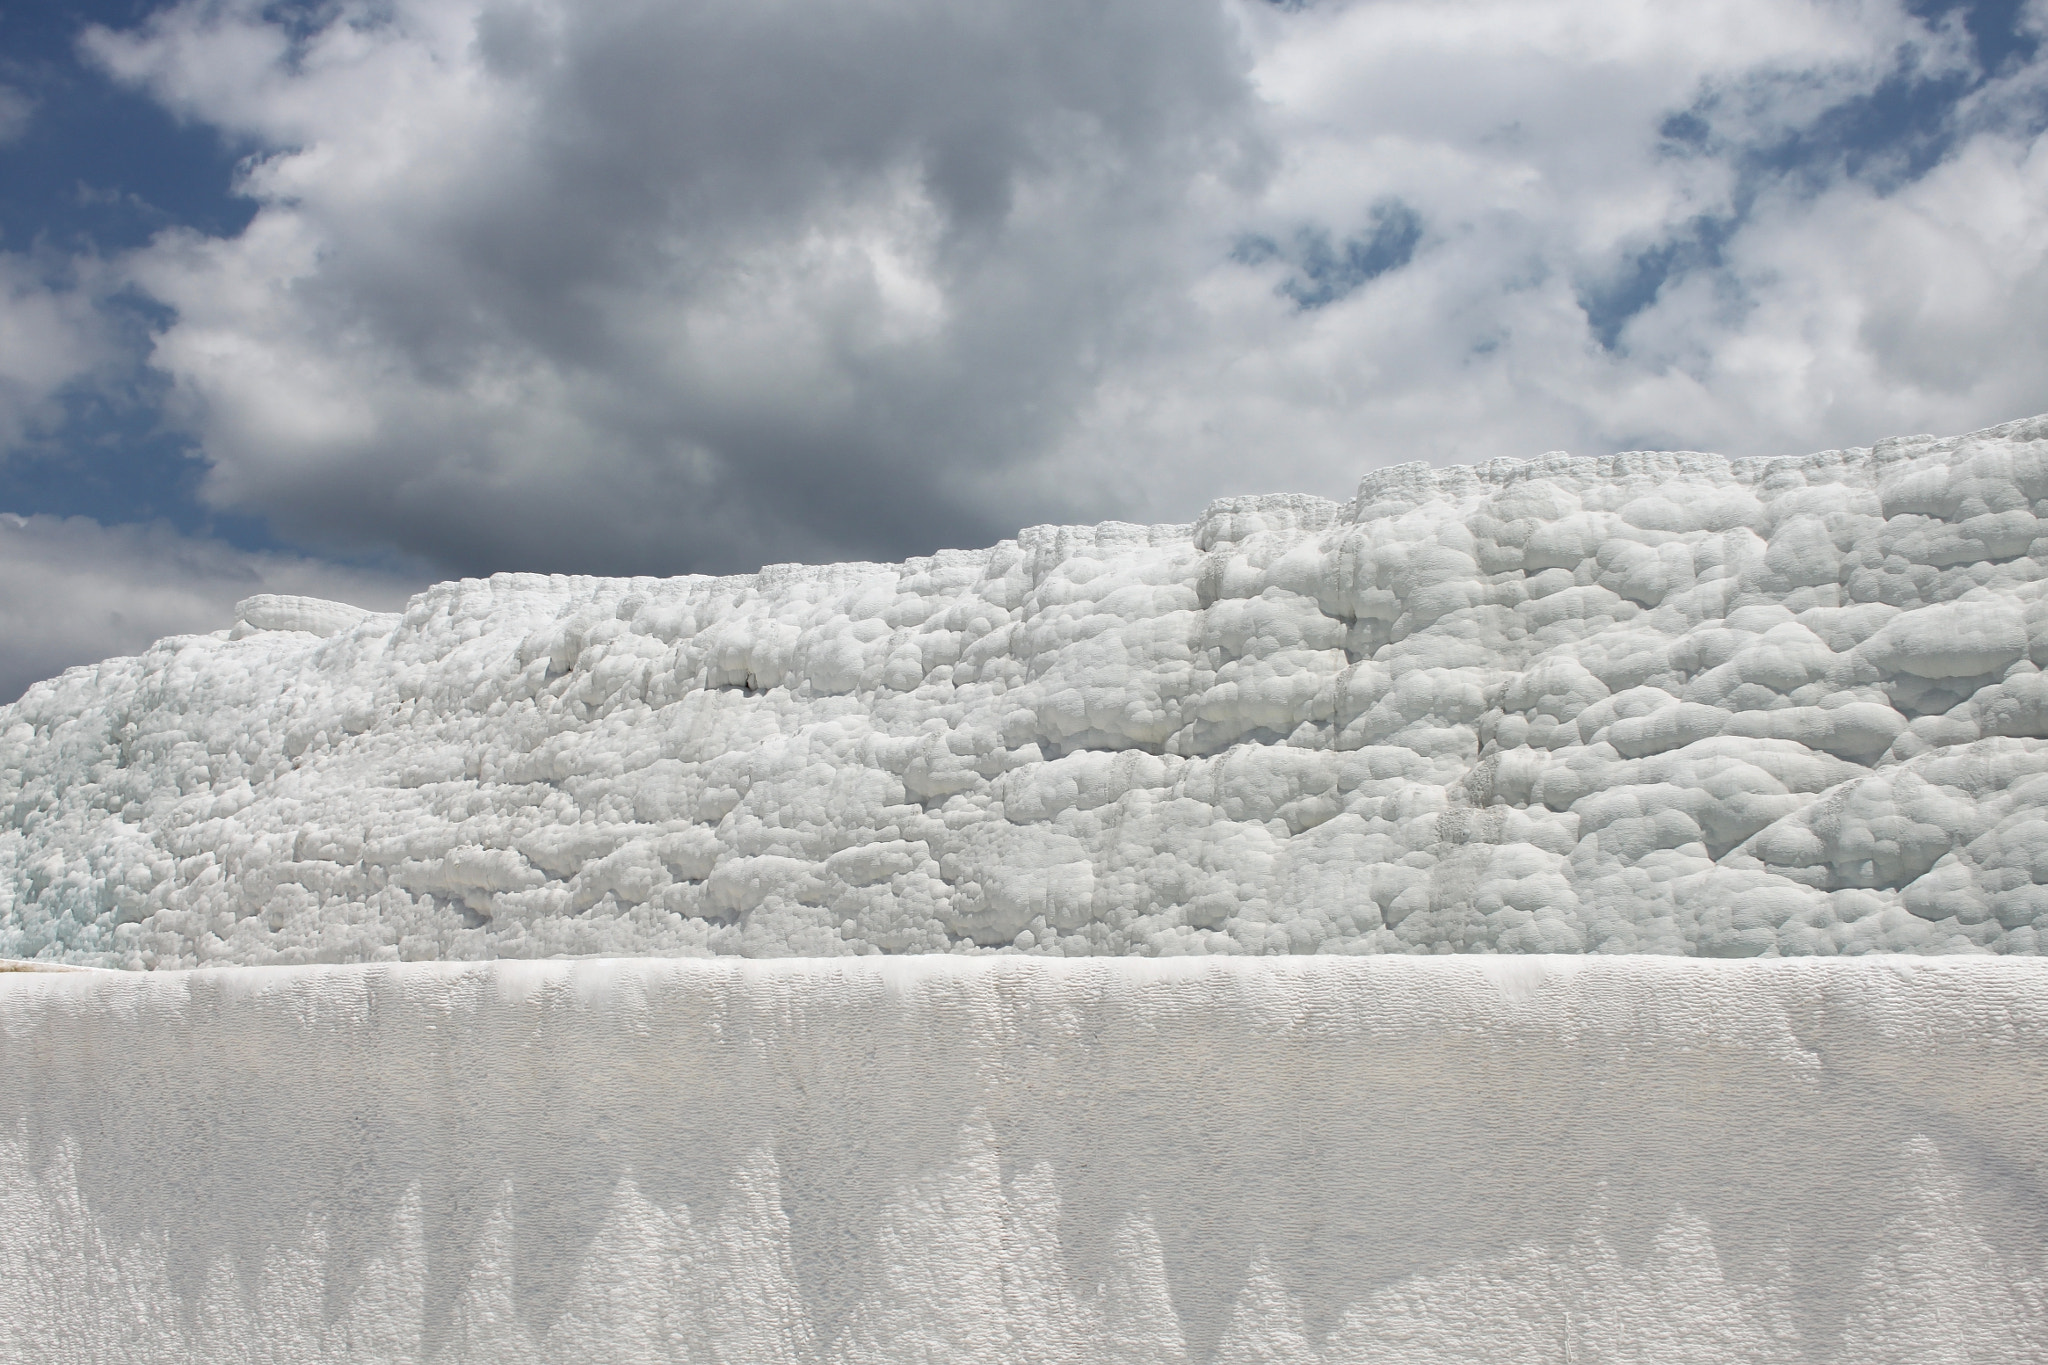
[[1307, 1161], [1662, 703]]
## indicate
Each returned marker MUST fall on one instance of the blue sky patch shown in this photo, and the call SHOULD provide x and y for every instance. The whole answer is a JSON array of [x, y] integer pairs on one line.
[[100, 169], [99, 166], [1325, 272], [1610, 303]]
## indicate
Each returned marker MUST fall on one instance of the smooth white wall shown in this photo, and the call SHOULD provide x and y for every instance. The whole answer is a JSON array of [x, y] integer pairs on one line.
[[937, 1159]]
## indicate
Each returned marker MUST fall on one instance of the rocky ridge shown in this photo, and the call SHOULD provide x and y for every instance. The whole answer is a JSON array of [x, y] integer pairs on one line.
[[1654, 702]]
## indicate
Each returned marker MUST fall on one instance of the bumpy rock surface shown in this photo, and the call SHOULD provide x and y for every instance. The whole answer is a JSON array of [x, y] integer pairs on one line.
[[1648, 703]]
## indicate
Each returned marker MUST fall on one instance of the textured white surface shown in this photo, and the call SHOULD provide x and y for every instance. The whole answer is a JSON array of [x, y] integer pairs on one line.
[[1655, 703], [1330, 1159]]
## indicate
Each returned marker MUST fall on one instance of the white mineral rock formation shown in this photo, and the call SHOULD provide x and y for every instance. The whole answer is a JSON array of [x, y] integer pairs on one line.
[[1316, 1161], [1661, 703]]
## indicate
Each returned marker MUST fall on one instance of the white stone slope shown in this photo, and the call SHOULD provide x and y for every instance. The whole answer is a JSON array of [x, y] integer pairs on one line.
[[1656, 703], [1308, 1161]]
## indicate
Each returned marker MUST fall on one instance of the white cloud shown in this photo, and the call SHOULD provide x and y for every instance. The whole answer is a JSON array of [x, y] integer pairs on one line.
[[52, 333], [75, 592], [630, 286], [1531, 141]]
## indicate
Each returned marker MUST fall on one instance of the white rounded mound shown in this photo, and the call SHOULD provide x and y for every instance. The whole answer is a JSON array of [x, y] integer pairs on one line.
[[1648, 703]]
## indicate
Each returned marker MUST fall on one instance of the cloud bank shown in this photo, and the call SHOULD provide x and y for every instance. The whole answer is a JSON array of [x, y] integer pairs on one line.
[[650, 288]]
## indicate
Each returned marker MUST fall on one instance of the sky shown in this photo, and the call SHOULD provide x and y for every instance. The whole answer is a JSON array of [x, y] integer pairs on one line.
[[343, 298]]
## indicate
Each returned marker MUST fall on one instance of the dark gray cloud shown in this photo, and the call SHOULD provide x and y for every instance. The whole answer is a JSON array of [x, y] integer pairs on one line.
[[639, 287]]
